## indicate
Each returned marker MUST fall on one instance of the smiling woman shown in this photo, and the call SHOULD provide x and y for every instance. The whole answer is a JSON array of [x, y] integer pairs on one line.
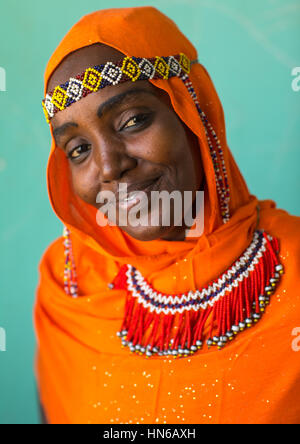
[[128, 133], [129, 104]]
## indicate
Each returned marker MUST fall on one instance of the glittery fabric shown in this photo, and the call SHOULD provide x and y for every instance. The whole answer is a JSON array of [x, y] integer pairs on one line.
[[83, 374], [86, 377]]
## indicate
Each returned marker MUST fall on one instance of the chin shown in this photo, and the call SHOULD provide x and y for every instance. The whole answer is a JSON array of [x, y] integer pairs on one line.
[[146, 234]]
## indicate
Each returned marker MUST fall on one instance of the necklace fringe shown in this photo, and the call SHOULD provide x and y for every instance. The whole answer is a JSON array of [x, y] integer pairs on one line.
[[178, 325]]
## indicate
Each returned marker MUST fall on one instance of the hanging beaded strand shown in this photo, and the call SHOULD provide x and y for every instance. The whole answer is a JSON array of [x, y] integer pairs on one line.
[[70, 277], [217, 154]]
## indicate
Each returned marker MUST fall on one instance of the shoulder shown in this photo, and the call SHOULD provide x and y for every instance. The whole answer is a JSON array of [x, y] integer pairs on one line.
[[53, 255], [51, 265], [285, 227], [88, 263]]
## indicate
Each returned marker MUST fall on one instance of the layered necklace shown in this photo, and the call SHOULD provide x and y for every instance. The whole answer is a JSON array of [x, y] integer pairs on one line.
[[178, 325]]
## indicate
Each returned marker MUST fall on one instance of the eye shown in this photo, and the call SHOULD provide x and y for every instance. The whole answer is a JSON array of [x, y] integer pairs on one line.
[[136, 121], [78, 152]]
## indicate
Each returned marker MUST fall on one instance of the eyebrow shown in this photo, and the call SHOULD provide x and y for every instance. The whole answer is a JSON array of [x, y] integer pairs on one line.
[[119, 99], [59, 131], [104, 108]]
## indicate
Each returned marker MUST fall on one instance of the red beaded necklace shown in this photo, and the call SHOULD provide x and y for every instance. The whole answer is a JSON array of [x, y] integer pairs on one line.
[[230, 304], [175, 325]]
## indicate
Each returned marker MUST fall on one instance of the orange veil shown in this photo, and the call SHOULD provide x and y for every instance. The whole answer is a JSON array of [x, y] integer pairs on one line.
[[83, 374]]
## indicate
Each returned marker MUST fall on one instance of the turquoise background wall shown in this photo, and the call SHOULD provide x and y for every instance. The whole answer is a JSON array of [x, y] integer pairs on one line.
[[249, 48]]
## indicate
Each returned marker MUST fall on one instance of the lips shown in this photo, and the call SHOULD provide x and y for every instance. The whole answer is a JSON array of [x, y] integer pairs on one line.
[[135, 193], [142, 186]]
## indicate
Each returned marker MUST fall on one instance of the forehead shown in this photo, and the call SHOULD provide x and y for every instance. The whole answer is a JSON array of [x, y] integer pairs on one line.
[[112, 97]]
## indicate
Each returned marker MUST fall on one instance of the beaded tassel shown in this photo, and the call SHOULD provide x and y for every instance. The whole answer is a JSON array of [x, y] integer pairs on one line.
[[216, 154], [174, 325]]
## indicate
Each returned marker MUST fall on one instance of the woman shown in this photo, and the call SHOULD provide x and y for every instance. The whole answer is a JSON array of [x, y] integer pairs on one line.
[[151, 323]]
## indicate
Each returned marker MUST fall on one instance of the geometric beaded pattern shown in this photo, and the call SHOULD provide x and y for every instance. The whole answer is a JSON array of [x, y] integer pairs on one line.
[[100, 76]]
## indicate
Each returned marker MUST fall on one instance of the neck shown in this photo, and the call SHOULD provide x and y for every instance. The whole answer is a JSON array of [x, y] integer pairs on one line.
[[176, 234]]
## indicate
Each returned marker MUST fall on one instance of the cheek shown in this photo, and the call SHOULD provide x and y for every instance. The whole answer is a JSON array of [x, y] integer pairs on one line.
[[85, 184], [163, 144], [178, 152]]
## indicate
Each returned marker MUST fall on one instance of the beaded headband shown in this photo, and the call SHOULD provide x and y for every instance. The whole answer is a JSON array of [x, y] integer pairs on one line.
[[100, 76], [133, 69]]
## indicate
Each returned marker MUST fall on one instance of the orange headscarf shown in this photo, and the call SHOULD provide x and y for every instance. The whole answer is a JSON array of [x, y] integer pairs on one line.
[[83, 374]]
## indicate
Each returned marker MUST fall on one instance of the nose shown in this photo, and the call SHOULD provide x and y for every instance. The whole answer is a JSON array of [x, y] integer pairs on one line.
[[113, 161]]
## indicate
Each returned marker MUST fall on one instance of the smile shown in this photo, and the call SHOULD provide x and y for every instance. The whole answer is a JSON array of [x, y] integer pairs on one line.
[[135, 193]]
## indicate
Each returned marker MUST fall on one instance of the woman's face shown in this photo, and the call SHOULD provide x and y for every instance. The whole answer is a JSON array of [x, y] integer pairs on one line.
[[125, 134]]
